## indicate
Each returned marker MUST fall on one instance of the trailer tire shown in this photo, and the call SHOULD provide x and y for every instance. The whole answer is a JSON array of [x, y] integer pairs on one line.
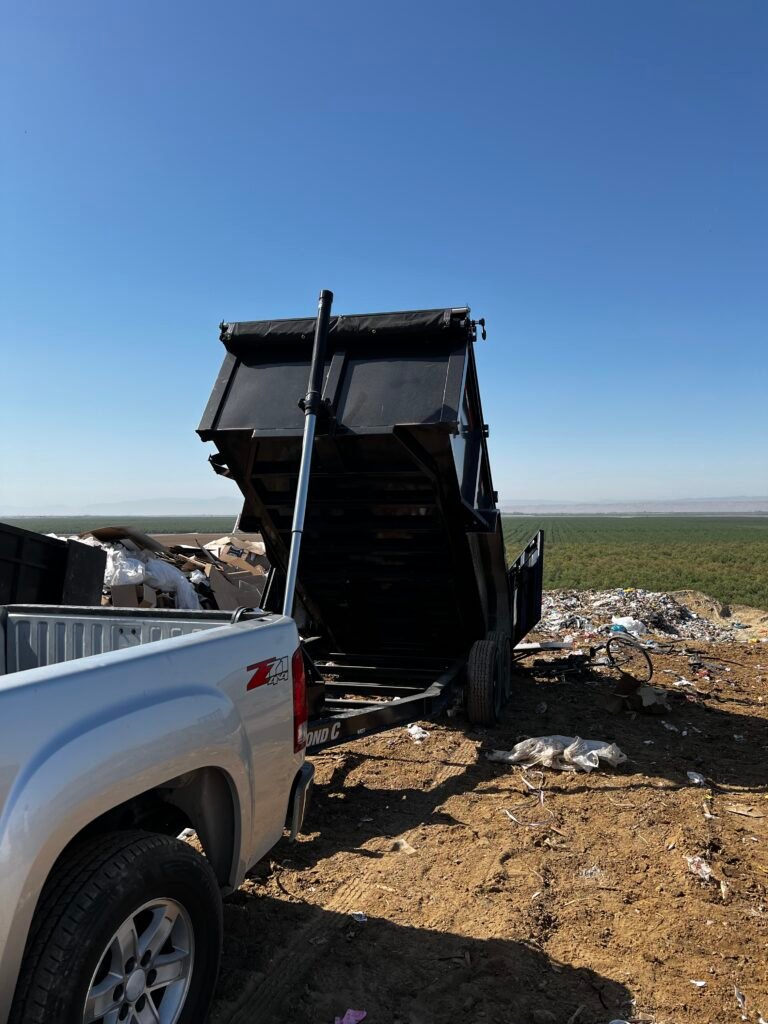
[[484, 696], [111, 897], [504, 643]]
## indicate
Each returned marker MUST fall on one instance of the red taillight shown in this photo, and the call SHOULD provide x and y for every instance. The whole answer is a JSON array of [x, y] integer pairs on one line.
[[299, 701]]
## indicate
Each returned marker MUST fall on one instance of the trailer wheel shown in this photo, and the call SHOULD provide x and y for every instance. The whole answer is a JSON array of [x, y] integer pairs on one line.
[[484, 692], [128, 928], [504, 643]]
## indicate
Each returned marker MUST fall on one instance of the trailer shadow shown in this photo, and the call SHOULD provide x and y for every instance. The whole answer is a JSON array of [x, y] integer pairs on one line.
[[292, 961], [727, 747], [723, 736]]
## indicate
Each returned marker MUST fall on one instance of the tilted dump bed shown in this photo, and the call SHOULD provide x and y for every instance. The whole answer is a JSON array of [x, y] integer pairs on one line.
[[403, 553]]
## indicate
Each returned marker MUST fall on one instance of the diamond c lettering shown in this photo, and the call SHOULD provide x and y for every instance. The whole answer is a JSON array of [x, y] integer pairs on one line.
[[268, 673]]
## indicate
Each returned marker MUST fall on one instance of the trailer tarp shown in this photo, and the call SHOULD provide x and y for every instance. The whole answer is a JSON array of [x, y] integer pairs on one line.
[[418, 324]]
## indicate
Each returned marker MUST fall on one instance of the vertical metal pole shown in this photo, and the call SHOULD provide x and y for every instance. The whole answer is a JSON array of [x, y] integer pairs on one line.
[[311, 405]]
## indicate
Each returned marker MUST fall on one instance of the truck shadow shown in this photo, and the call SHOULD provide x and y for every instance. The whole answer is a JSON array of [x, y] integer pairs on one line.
[[299, 963]]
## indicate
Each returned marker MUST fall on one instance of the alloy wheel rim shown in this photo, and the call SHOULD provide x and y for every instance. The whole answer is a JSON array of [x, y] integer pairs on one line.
[[144, 973]]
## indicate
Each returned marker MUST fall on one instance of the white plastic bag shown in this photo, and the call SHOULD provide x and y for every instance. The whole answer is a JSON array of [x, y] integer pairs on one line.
[[565, 753], [633, 626], [121, 569], [416, 733], [164, 576]]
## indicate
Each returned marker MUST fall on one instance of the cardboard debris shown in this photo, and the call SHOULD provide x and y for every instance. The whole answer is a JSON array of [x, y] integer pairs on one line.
[[139, 595], [225, 574], [247, 555], [231, 591], [142, 541]]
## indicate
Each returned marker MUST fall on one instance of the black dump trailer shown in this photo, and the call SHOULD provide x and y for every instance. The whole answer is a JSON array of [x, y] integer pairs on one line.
[[403, 589]]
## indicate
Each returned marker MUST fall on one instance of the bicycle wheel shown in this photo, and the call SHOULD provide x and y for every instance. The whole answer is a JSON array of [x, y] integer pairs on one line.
[[627, 655]]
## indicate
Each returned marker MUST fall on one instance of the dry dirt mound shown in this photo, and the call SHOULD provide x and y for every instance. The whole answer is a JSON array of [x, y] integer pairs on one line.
[[722, 614], [592, 916]]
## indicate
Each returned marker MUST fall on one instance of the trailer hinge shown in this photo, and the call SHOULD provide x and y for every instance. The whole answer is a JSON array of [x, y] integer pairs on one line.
[[481, 324]]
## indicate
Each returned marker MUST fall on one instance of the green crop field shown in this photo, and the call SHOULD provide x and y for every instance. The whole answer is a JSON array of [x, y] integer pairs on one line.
[[725, 557]]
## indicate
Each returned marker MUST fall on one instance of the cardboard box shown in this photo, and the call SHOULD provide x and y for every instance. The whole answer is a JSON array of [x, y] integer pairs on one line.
[[248, 555], [233, 590], [134, 595]]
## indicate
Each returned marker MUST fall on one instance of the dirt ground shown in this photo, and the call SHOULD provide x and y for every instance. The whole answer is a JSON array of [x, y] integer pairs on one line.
[[591, 917]]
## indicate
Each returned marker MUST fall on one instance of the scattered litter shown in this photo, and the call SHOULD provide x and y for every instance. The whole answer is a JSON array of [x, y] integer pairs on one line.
[[417, 734], [724, 890], [537, 789], [747, 812], [683, 682], [541, 709], [696, 778], [594, 611], [593, 872], [352, 1017], [565, 753], [359, 916], [741, 999], [707, 811], [698, 984], [670, 726], [699, 867], [402, 846]]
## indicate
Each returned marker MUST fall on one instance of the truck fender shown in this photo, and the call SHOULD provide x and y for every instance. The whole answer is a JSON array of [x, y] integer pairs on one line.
[[81, 775]]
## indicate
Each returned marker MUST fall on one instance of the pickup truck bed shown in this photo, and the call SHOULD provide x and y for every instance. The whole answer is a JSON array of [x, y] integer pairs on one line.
[[35, 635]]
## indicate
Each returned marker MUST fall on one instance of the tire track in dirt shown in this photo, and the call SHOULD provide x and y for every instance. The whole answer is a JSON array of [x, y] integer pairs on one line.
[[270, 999]]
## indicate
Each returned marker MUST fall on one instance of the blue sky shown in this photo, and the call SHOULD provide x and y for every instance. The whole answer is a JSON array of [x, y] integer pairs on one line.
[[589, 176]]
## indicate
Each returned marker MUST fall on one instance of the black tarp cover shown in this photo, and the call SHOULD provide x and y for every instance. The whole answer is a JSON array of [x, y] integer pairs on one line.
[[238, 337]]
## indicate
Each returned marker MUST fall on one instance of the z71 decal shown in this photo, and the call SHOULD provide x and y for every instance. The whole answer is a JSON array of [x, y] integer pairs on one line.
[[268, 673]]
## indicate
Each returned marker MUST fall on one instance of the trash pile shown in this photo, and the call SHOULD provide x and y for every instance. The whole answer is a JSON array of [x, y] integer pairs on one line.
[[638, 612], [141, 572]]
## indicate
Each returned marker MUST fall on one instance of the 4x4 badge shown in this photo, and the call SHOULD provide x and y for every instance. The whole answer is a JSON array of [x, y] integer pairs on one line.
[[268, 673]]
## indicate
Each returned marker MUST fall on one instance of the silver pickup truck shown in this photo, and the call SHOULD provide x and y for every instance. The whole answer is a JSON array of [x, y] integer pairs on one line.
[[121, 728]]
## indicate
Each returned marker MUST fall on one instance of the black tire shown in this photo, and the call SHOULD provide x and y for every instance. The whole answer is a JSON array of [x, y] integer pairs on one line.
[[626, 654], [504, 643], [484, 695], [96, 886]]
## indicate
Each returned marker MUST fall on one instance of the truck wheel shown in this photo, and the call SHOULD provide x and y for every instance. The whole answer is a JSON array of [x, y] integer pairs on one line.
[[484, 694], [127, 931], [504, 643]]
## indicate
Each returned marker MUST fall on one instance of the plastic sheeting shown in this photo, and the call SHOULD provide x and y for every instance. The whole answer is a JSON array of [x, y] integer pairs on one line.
[[565, 753]]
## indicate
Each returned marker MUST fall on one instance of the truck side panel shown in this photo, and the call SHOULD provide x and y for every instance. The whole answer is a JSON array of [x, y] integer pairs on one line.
[[84, 737]]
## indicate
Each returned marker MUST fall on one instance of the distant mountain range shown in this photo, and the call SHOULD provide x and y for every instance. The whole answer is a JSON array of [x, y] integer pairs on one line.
[[224, 506], [678, 506], [231, 505]]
